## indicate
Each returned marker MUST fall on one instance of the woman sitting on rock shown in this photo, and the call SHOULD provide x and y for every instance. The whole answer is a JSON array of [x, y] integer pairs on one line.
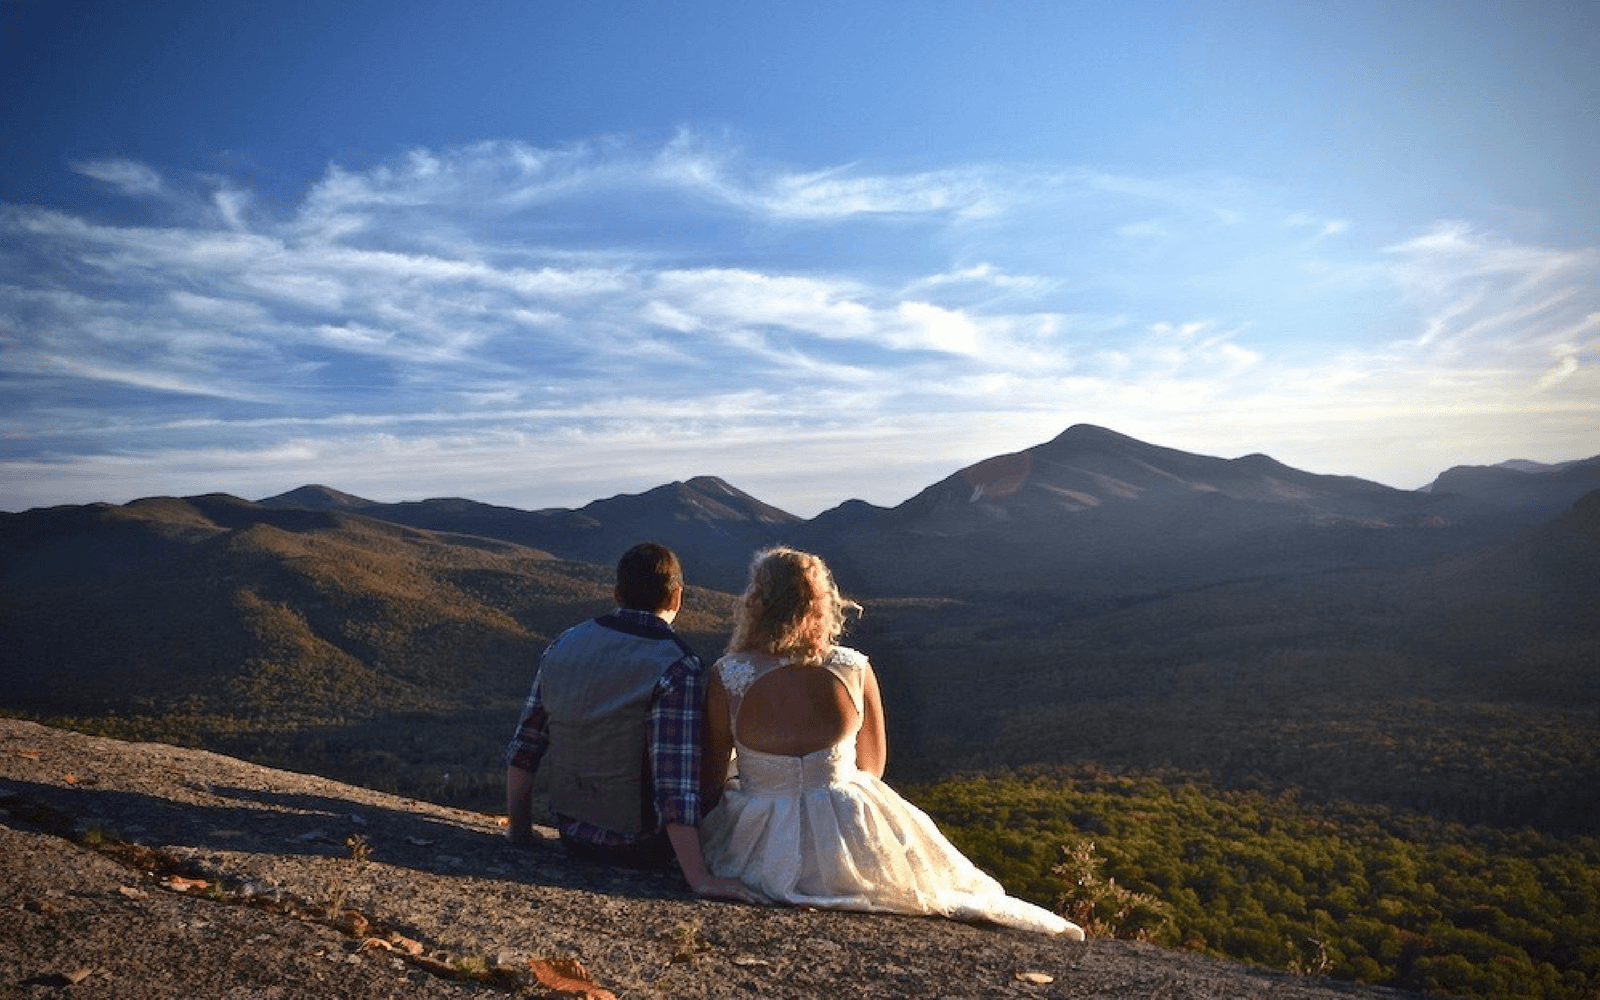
[[809, 820]]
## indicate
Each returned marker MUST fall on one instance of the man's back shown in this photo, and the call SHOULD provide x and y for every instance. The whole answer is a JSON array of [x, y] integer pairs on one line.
[[598, 682]]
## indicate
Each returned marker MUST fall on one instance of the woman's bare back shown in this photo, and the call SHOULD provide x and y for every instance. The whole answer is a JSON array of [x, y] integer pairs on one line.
[[795, 710]]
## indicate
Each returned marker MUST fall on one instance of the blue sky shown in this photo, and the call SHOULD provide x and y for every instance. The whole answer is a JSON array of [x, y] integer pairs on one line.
[[539, 253]]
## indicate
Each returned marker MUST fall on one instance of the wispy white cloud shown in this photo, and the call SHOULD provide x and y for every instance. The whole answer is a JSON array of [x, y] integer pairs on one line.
[[1566, 358], [981, 276], [1320, 226], [398, 330], [126, 176], [1483, 297], [842, 192]]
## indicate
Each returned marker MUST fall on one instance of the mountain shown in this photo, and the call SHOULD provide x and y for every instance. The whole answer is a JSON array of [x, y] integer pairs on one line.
[[315, 497], [713, 526], [1535, 490], [1102, 514], [231, 607]]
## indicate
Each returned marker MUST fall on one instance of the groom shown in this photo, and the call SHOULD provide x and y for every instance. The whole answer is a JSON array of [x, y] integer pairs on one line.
[[615, 718]]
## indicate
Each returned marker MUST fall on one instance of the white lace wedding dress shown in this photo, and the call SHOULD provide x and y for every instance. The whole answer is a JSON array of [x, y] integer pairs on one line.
[[818, 831]]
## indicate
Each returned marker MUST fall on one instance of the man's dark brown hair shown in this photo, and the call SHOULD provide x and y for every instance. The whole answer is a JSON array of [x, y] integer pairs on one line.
[[647, 576]]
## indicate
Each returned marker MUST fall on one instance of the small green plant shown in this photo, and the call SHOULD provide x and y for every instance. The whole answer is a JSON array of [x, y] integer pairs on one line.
[[1099, 905], [687, 943], [360, 855]]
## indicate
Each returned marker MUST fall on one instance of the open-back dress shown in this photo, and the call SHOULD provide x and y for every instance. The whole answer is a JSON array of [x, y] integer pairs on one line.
[[816, 830]]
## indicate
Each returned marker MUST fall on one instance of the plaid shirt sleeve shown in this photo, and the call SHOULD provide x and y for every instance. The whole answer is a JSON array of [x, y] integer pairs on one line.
[[675, 741], [532, 737]]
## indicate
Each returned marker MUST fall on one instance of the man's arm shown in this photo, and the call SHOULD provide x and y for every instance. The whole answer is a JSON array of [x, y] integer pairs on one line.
[[686, 845], [675, 721], [523, 755]]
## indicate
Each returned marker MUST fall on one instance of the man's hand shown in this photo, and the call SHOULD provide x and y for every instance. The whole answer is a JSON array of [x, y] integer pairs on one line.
[[519, 805], [686, 844]]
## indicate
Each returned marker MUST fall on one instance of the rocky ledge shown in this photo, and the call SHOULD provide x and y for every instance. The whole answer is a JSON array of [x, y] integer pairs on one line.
[[147, 871]]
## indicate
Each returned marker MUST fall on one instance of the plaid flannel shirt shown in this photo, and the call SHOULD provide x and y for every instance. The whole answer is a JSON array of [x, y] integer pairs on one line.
[[675, 717]]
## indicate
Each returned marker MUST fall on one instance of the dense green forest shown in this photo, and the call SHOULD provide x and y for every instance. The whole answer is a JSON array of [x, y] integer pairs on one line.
[[1361, 893]]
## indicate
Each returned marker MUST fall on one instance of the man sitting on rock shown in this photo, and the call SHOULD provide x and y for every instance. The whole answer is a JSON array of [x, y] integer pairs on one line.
[[614, 718]]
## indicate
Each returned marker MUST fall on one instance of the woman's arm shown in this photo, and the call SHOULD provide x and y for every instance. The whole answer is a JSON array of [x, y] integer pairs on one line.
[[872, 743], [716, 742]]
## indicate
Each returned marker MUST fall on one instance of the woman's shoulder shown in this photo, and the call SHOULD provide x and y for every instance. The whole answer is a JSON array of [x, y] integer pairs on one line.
[[739, 670], [746, 656], [844, 656]]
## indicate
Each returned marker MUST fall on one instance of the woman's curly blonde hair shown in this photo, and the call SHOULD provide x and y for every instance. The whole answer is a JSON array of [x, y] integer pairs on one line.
[[791, 607]]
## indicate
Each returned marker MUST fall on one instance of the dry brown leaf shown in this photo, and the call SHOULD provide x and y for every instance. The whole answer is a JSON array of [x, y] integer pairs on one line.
[[177, 883], [405, 944], [498, 820], [28, 754], [371, 943], [567, 975], [71, 779], [1036, 978], [131, 892], [77, 976]]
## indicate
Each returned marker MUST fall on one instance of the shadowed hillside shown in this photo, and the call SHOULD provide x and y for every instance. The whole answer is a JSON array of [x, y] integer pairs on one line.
[[233, 607], [1467, 688]]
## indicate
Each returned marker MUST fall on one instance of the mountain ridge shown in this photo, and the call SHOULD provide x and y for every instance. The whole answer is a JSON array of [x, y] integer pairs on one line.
[[1538, 489], [1054, 504]]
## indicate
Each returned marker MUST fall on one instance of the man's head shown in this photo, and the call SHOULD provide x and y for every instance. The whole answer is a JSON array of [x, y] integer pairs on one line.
[[649, 578]]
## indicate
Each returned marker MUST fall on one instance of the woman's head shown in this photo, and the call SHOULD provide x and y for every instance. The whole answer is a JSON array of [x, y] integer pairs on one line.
[[791, 607]]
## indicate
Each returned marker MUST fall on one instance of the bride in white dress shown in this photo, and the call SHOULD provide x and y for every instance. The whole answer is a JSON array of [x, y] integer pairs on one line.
[[809, 821]]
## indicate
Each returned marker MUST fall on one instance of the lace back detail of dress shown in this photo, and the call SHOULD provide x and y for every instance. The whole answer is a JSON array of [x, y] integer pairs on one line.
[[740, 670], [737, 674]]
